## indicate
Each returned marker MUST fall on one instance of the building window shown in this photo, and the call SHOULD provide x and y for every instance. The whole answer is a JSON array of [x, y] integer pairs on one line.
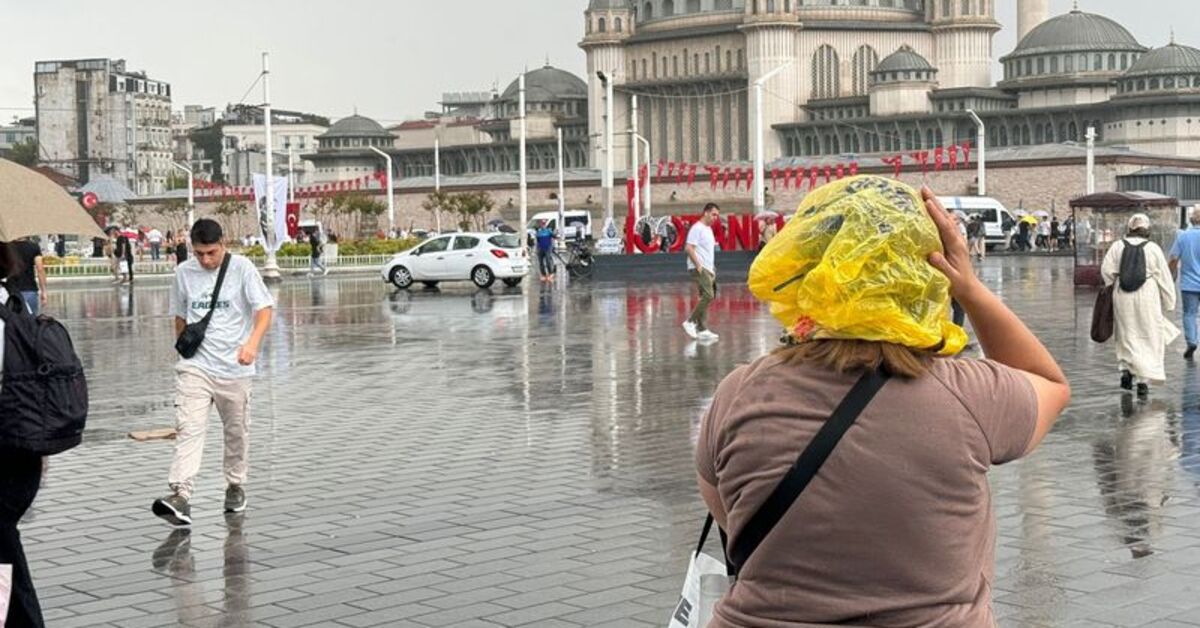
[[945, 8], [865, 60], [966, 7], [1112, 61], [1070, 63], [741, 60], [1041, 65], [668, 8], [648, 11], [602, 26], [619, 25], [1124, 61], [825, 80], [1098, 63]]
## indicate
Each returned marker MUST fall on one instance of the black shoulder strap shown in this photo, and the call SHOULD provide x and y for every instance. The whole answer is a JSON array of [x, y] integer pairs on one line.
[[212, 307], [806, 467]]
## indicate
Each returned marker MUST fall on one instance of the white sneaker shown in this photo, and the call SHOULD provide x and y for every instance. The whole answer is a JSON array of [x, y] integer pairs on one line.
[[690, 328], [707, 336], [326, 271]]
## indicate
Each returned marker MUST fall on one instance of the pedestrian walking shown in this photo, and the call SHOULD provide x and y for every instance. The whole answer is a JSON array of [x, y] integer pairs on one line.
[[30, 280], [976, 237], [701, 260], [1023, 236], [856, 548], [60, 246], [1144, 288], [155, 238], [1043, 234], [315, 251], [1066, 237], [1055, 233], [123, 252], [1185, 265], [20, 477], [544, 239], [181, 250], [227, 291]]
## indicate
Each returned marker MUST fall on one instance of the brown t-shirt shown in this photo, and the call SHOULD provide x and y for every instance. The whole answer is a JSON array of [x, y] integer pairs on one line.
[[897, 527]]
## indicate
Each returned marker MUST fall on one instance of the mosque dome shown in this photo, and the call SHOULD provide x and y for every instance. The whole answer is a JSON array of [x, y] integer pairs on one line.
[[1077, 32], [356, 126], [1171, 59], [548, 84]]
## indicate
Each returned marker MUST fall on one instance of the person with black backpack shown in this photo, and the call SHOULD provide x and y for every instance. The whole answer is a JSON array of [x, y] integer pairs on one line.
[[1144, 288], [222, 311], [43, 410]]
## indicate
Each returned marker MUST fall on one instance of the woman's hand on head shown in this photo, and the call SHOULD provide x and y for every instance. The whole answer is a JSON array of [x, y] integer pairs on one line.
[[955, 261]]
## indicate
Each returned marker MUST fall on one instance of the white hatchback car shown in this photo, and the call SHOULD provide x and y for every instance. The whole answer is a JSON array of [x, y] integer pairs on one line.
[[480, 258]]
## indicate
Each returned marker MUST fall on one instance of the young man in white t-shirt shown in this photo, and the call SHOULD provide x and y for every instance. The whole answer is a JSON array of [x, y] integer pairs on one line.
[[220, 373], [701, 251]]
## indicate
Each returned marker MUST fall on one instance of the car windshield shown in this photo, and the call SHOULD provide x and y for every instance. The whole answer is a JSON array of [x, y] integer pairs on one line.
[[505, 241]]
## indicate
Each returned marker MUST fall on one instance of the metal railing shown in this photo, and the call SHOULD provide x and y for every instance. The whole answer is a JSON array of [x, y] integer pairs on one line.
[[99, 267]]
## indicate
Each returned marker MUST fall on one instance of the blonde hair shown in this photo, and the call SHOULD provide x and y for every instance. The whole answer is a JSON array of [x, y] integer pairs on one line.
[[856, 356]]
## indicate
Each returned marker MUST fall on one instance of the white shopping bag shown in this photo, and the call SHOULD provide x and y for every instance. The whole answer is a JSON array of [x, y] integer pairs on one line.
[[6, 582], [707, 580]]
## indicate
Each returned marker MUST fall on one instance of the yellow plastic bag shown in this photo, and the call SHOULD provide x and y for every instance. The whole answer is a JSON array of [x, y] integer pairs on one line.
[[852, 264]]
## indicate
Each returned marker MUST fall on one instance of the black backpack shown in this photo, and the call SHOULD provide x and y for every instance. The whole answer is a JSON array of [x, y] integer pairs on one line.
[[43, 392], [1132, 274]]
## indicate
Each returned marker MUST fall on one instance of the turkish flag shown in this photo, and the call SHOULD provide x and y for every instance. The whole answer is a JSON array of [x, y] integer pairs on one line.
[[896, 162], [725, 183], [714, 173], [801, 173], [293, 219], [854, 168], [661, 165], [812, 178], [692, 175], [738, 175], [841, 172], [679, 174], [828, 174], [953, 157], [966, 153], [922, 157], [774, 179], [749, 178]]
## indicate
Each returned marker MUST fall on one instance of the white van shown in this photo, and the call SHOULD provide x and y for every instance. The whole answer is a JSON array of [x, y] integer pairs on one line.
[[578, 223], [998, 222]]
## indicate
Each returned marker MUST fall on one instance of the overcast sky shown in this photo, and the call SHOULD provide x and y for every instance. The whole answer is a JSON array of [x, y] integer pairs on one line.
[[390, 59]]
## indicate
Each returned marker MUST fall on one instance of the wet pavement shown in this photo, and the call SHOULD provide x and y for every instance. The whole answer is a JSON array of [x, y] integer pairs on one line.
[[524, 458]]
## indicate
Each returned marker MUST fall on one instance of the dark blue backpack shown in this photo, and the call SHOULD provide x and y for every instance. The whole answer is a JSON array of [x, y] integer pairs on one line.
[[43, 392]]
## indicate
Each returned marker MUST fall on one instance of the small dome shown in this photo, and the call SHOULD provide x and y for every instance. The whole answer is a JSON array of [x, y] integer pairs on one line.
[[1170, 59], [1077, 32], [904, 59], [356, 126], [548, 84]]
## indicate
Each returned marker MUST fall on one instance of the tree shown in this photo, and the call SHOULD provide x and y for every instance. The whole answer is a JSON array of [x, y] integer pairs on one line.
[[25, 153], [471, 208], [210, 142], [174, 212], [176, 181], [230, 209], [436, 203]]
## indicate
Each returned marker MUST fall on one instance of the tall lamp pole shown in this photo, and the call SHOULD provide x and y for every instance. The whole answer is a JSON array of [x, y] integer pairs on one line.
[[191, 206], [437, 181], [562, 200], [270, 270], [1091, 160], [391, 193], [607, 191], [981, 142], [760, 188], [524, 165]]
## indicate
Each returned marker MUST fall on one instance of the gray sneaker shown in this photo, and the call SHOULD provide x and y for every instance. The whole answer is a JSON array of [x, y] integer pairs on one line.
[[173, 509], [235, 498]]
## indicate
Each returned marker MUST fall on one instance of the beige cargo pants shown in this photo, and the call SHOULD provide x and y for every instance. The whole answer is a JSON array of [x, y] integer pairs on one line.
[[196, 393]]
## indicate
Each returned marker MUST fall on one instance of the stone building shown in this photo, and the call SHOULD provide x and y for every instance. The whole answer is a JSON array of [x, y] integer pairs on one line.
[[878, 76], [243, 150], [19, 132], [96, 117], [344, 151]]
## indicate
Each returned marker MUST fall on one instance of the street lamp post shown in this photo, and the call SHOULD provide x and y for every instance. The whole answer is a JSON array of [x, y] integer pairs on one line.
[[760, 189], [607, 181], [270, 270], [1091, 160], [191, 206], [391, 193], [981, 141], [524, 165]]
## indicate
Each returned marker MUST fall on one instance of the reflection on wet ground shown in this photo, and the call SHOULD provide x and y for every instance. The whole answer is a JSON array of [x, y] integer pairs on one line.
[[523, 456]]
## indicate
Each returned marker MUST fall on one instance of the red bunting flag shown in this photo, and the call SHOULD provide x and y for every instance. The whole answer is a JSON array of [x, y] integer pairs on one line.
[[774, 179], [801, 173], [714, 174], [828, 174], [812, 178], [739, 174], [749, 178], [922, 157], [679, 174], [788, 173], [661, 166], [953, 157], [841, 172], [725, 182], [939, 158], [692, 175], [670, 168], [854, 168], [896, 162], [966, 153]]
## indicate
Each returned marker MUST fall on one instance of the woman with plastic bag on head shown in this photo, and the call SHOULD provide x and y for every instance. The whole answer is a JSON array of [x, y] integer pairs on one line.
[[1144, 289], [850, 466]]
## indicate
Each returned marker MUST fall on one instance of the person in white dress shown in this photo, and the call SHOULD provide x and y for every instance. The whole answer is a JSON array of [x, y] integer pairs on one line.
[[1141, 331]]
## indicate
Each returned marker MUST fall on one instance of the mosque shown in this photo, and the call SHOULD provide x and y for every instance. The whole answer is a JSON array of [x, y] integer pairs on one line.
[[875, 76]]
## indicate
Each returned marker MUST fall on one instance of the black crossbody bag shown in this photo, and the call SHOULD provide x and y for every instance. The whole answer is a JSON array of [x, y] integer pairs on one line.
[[802, 472], [189, 341]]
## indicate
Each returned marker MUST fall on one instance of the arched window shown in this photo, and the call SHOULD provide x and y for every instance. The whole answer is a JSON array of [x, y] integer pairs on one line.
[[693, 6], [1125, 61], [770, 6], [619, 25], [865, 60], [1112, 61], [602, 26], [648, 11], [825, 79], [1153, 83], [945, 8], [668, 8], [966, 7], [1073, 132], [1025, 134], [589, 27]]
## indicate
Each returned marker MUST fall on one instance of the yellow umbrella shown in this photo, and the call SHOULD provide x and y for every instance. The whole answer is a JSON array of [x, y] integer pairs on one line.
[[1030, 219], [31, 204]]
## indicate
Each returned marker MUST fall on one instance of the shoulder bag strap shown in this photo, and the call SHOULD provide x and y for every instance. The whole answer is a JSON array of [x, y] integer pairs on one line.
[[806, 467], [212, 306]]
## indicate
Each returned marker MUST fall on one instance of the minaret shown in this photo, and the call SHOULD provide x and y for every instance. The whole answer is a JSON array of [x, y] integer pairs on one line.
[[770, 30], [1030, 13], [963, 42], [609, 24]]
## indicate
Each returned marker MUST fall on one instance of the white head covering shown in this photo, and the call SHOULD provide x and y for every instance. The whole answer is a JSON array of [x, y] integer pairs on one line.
[[1139, 221]]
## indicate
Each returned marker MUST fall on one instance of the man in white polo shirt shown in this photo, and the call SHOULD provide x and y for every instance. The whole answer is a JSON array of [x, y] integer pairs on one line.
[[701, 252], [220, 372]]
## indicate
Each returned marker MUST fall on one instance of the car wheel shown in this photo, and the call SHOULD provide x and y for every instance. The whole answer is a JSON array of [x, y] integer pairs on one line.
[[401, 277], [483, 277], [432, 285], [513, 282]]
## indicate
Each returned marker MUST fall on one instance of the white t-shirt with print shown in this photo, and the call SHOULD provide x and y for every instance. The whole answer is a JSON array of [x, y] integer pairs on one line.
[[242, 295], [701, 236]]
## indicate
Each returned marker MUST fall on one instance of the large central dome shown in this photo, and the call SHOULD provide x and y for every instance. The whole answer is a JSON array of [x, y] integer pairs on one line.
[[1077, 32], [548, 84]]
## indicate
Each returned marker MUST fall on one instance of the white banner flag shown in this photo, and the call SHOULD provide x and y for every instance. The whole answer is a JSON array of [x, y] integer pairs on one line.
[[273, 228]]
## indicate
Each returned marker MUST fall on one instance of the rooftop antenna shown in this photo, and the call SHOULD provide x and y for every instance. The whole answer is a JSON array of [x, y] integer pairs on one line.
[[1076, 6]]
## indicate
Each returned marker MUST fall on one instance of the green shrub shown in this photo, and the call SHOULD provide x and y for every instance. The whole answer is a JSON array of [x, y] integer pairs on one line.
[[345, 247]]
